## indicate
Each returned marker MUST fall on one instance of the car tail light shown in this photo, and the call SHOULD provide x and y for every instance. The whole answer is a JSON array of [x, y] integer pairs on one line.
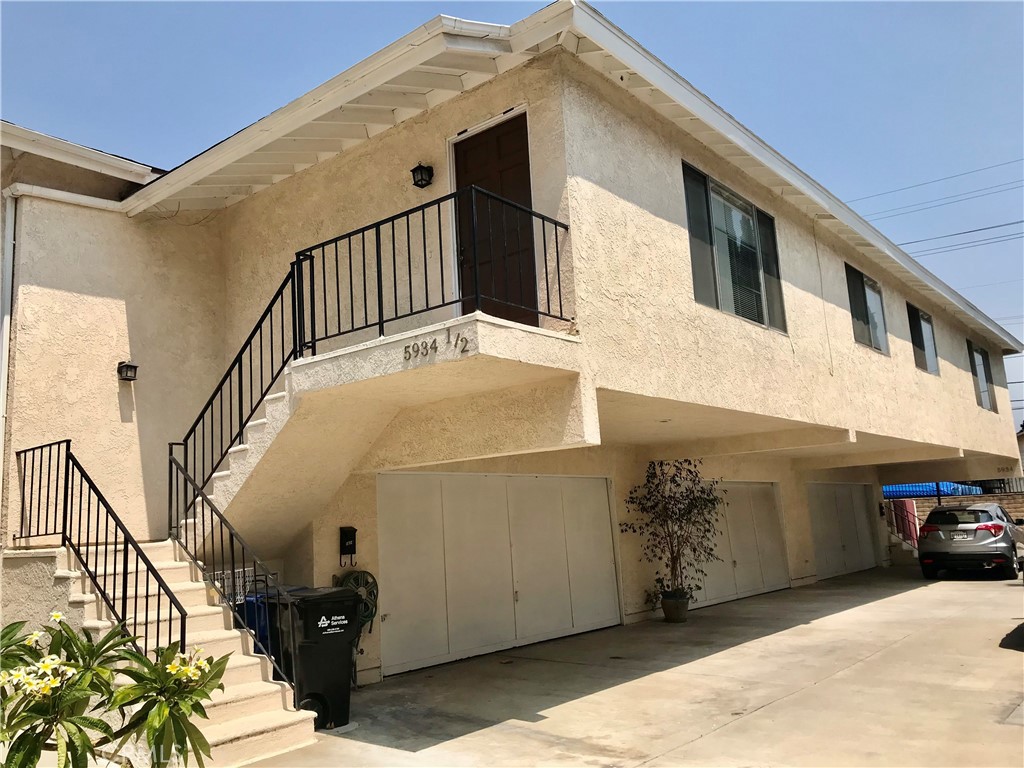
[[994, 528], [926, 529]]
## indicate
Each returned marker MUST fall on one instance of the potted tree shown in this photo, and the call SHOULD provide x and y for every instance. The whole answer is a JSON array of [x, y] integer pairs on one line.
[[675, 512]]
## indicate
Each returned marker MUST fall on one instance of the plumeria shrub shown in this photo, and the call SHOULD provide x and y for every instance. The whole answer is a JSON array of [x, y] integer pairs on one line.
[[63, 691]]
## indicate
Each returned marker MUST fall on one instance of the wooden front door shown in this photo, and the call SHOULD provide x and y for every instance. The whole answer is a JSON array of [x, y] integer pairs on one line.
[[497, 160]]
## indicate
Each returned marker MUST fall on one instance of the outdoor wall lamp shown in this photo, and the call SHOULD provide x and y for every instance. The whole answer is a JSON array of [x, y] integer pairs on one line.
[[422, 175], [127, 370]]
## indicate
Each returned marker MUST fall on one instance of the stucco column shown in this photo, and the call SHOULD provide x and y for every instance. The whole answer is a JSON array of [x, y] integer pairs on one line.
[[797, 527]]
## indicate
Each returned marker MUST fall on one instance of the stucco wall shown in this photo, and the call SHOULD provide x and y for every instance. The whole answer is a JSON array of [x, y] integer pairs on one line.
[[635, 292], [93, 288], [33, 583], [372, 181], [178, 295]]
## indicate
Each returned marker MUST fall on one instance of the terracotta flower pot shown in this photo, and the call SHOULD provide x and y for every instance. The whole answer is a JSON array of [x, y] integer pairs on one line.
[[675, 608]]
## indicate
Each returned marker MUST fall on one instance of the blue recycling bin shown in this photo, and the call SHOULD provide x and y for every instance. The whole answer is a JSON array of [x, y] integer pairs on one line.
[[259, 615]]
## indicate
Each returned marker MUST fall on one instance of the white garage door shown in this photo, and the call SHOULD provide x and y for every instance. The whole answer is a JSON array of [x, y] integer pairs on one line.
[[841, 520], [471, 564], [750, 544]]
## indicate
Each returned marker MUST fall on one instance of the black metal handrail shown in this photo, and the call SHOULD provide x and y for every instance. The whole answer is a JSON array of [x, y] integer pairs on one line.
[[469, 249], [249, 378], [58, 498], [465, 250], [214, 545]]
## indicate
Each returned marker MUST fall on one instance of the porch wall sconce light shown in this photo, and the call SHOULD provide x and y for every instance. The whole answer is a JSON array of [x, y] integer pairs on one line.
[[127, 370], [422, 175]]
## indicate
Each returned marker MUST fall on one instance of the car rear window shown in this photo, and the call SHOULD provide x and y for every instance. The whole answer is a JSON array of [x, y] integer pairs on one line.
[[958, 517]]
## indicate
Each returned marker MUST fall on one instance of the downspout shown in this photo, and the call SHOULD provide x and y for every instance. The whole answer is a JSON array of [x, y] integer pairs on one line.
[[10, 215]]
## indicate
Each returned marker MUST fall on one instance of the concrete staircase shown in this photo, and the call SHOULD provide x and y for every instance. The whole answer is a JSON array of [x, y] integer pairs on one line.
[[259, 433], [253, 717], [900, 552]]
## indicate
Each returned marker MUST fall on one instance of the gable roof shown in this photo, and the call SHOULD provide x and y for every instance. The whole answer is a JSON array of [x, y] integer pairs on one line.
[[447, 56], [19, 139]]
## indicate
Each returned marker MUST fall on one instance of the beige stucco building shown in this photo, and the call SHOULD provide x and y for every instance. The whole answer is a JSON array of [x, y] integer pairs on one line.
[[474, 381]]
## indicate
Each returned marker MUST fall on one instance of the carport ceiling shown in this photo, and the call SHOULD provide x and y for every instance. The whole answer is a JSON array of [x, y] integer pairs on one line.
[[629, 419]]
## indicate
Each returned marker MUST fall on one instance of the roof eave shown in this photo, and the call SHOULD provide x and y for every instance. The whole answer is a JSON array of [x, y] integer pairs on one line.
[[33, 142]]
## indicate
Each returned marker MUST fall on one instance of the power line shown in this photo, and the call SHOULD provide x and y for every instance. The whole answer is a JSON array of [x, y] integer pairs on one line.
[[935, 181], [951, 202], [970, 244], [948, 197], [964, 232], [989, 285]]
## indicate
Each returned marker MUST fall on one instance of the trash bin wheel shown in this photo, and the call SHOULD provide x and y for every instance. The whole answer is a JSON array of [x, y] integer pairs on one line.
[[318, 707]]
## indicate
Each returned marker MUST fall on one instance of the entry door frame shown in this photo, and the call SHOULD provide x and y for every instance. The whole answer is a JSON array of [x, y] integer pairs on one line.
[[450, 142]]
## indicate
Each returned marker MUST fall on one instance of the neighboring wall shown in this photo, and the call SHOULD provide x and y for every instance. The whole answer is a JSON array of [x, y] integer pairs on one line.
[[1013, 503], [635, 292], [93, 288]]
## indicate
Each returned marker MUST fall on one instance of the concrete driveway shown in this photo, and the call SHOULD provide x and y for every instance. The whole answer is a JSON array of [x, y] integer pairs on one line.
[[877, 668]]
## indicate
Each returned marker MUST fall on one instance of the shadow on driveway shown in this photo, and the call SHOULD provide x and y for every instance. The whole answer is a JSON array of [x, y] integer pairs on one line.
[[418, 710]]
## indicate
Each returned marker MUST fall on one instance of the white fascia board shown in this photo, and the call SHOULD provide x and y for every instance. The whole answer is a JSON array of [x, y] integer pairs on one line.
[[18, 189], [35, 143], [410, 51], [587, 22]]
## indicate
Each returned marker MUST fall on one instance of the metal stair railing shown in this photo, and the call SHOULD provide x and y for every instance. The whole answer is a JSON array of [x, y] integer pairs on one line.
[[902, 521], [59, 498], [462, 252], [217, 548]]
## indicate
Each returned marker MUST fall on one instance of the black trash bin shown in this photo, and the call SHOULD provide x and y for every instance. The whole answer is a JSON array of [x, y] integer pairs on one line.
[[326, 626]]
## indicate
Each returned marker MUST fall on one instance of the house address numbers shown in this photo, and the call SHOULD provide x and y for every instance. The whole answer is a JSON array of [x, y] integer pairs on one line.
[[430, 345]]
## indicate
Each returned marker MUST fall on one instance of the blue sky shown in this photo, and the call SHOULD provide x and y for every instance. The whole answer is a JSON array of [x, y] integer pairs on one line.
[[865, 97]]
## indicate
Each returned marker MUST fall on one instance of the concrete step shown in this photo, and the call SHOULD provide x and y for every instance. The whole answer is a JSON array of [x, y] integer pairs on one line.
[[169, 570], [199, 618], [242, 669], [188, 593], [256, 737], [217, 642], [238, 701], [155, 550]]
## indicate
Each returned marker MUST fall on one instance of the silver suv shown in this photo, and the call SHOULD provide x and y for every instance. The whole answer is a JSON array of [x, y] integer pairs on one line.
[[971, 536]]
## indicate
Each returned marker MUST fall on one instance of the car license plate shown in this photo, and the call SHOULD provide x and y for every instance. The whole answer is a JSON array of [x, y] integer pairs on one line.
[[960, 535]]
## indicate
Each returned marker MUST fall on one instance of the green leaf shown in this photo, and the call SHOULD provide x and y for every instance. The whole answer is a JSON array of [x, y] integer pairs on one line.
[[62, 748], [130, 694], [25, 750], [70, 696], [11, 634], [155, 722], [139, 676], [93, 723], [200, 746], [83, 748], [136, 658]]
